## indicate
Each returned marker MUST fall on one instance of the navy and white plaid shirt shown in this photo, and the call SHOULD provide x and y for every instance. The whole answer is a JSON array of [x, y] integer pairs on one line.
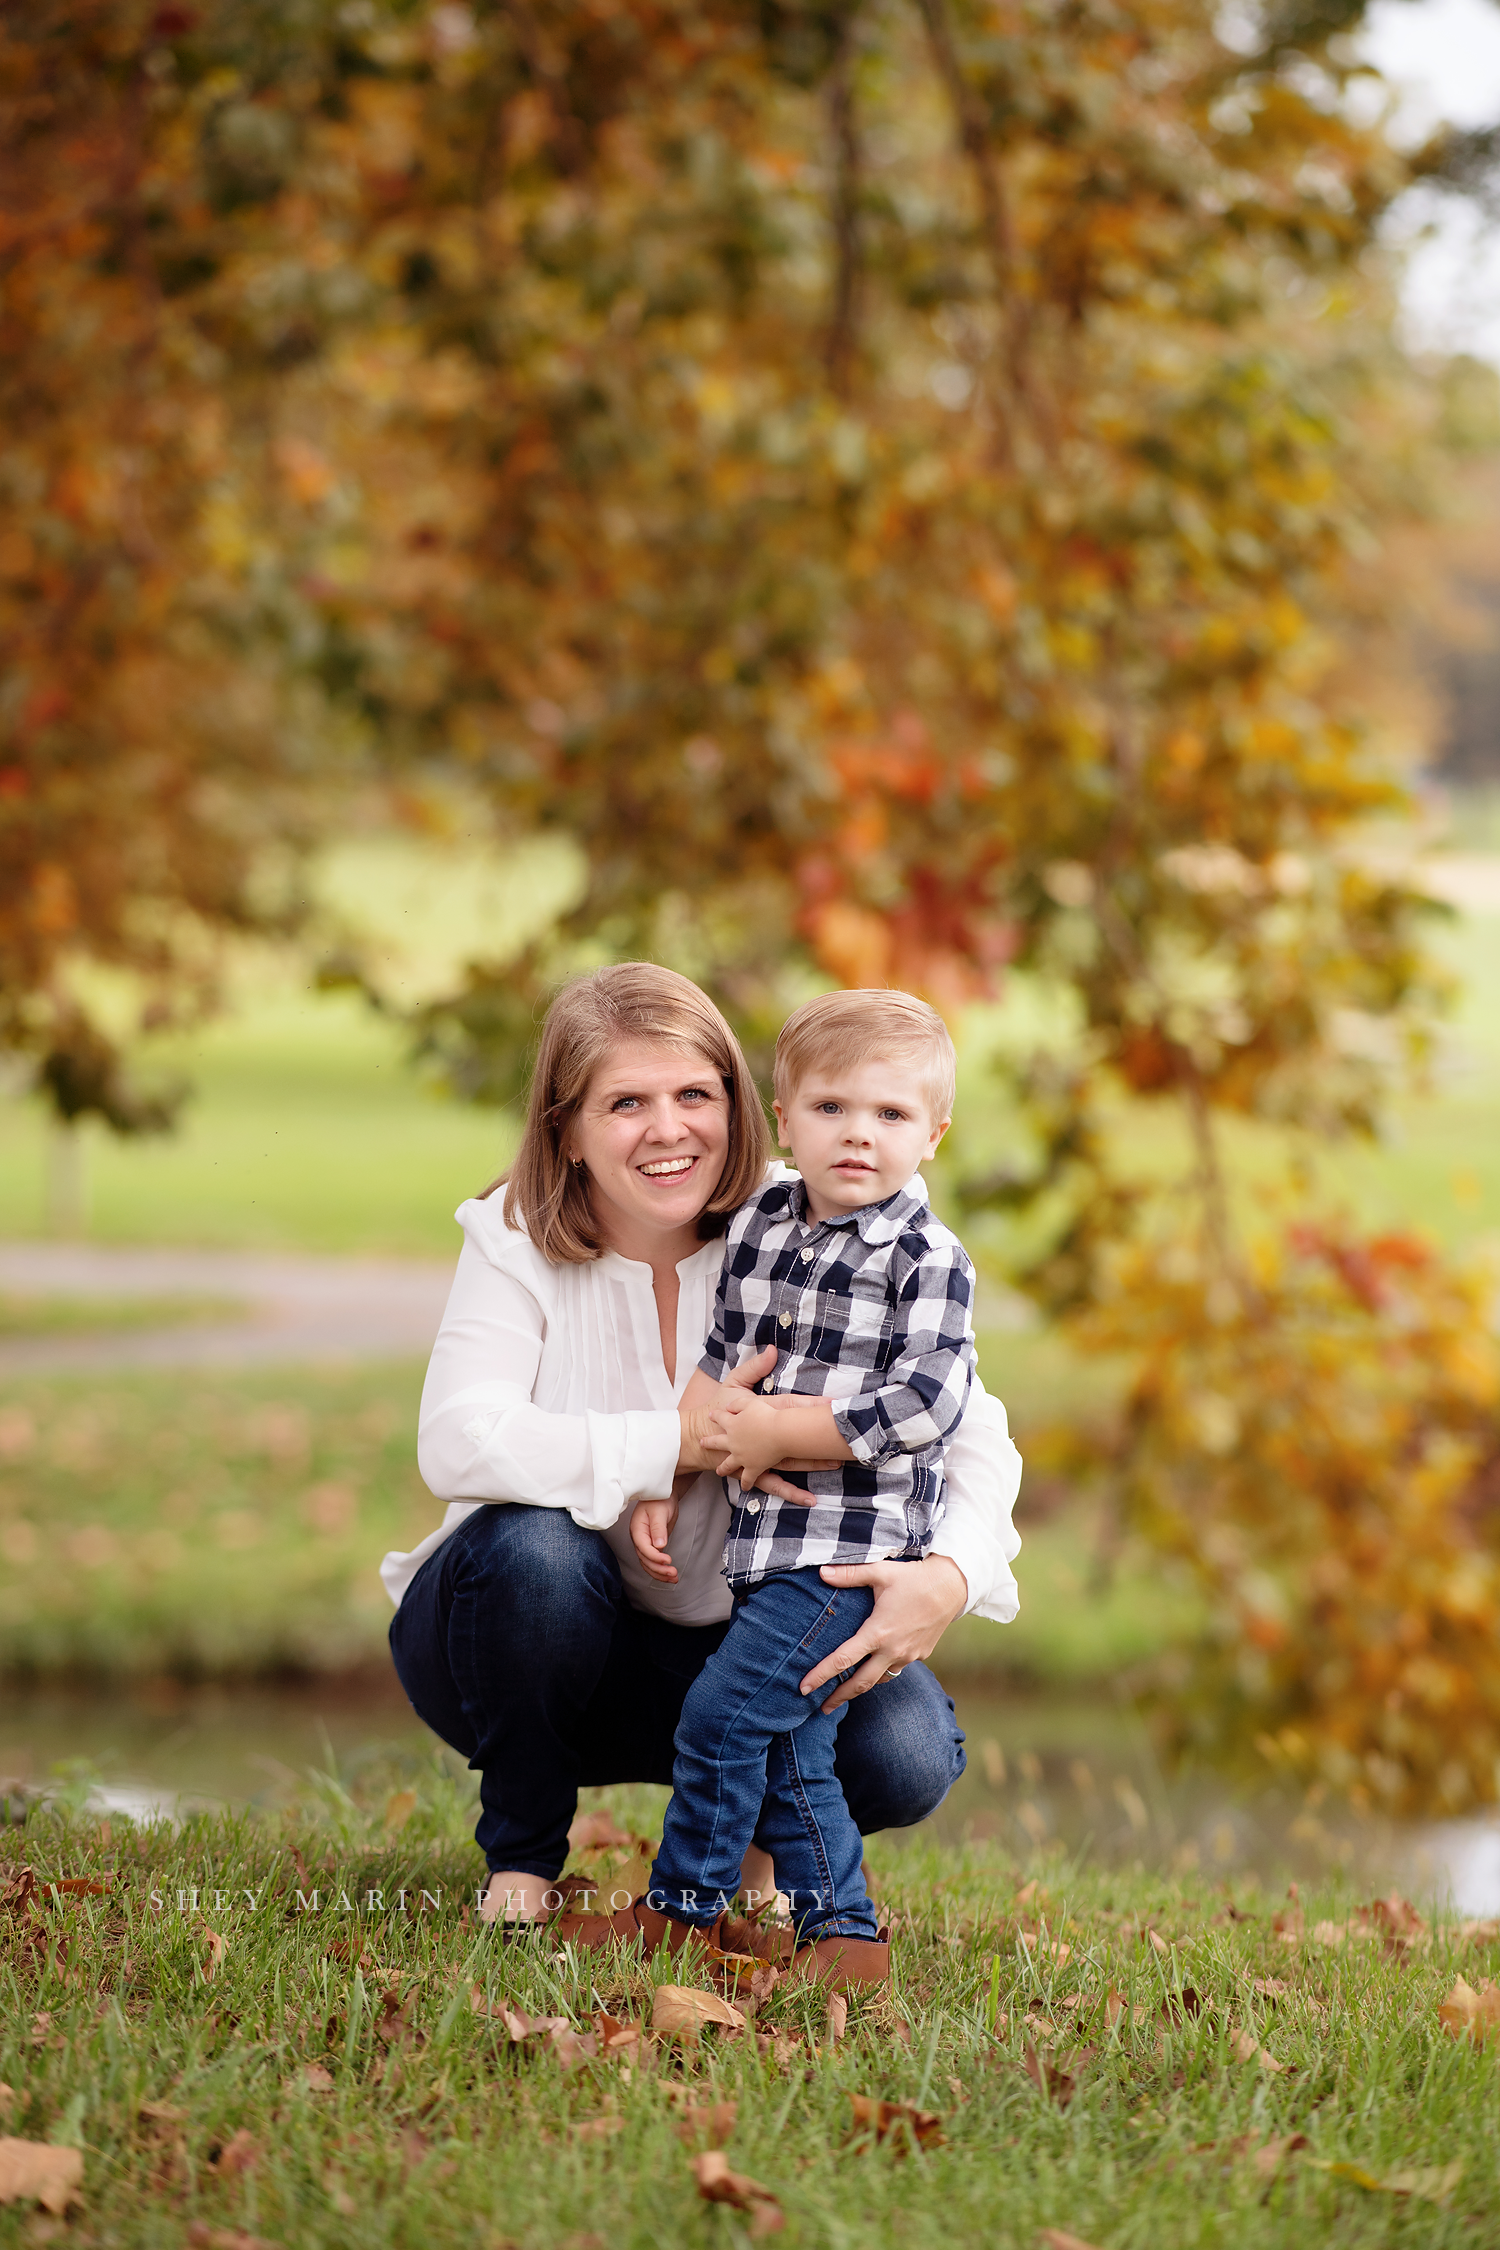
[[872, 1309]]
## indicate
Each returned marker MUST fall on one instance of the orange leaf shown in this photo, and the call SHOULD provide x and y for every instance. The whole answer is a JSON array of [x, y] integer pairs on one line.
[[36, 2172], [1469, 2013], [900, 2123], [711, 2121], [717, 2184], [240, 2153]]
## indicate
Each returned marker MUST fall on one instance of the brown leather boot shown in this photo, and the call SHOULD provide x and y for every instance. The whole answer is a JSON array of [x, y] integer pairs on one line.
[[659, 1932], [844, 1964]]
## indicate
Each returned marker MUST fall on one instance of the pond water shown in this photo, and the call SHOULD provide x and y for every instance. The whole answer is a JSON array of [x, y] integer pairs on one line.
[[1081, 1772]]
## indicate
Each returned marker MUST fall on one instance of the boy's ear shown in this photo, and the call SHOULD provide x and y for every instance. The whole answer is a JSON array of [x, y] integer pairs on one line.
[[783, 1138], [938, 1131]]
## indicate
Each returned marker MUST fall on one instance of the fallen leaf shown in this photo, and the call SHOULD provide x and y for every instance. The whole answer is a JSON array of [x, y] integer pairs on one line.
[[570, 2047], [201, 2236], [41, 2027], [1027, 1893], [1271, 1988], [1393, 1919], [1330, 1933], [838, 2017], [36, 2172], [1158, 1943], [682, 2010], [1117, 2009], [1058, 2238], [598, 2129], [1478, 1933], [316, 2079], [1288, 1924], [217, 1948], [399, 1807], [1272, 2154], [900, 2123], [238, 2154], [709, 2121], [1475, 2014], [1245, 2047], [521, 2026], [161, 2115], [597, 1832], [393, 2026], [81, 1886], [717, 2184], [1432, 2184], [616, 2037]]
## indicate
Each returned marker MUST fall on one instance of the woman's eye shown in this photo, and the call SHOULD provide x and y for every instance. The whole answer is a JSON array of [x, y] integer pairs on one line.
[[694, 1094], [624, 1101]]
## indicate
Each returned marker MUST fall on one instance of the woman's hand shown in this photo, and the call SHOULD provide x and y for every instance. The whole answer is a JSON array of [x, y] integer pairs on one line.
[[698, 1402], [915, 1603]]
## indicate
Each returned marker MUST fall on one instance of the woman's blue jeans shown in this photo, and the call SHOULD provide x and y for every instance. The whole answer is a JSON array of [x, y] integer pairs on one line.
[[516, 1645], [755, 1757]]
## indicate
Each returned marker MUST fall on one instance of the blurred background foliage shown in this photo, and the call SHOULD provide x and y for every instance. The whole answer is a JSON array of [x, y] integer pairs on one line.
[[855, 493]]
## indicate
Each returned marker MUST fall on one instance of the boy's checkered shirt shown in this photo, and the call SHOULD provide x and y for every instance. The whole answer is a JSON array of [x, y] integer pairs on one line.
[[873, 1310]]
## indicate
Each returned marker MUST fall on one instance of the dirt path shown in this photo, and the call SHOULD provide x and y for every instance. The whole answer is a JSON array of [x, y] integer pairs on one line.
[[301, 1309]]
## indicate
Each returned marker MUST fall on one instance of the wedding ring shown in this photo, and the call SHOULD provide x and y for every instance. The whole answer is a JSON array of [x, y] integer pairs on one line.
[[895, 1672]]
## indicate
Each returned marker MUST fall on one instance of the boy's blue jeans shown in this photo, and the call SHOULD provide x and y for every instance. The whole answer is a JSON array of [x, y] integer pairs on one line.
[[755, 1762]]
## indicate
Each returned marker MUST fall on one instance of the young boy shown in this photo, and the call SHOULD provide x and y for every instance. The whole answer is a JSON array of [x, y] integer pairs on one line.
[[868, 1300]]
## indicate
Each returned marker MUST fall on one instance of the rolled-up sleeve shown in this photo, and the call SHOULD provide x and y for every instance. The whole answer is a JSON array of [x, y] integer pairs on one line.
[[479, 1436]]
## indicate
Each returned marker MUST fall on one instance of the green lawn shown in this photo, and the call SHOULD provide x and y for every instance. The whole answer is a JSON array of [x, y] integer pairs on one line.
[[1112, 2055], [234, 1525]]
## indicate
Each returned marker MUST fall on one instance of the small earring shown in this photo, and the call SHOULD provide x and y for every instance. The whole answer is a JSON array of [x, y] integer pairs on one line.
[[577, 1163]]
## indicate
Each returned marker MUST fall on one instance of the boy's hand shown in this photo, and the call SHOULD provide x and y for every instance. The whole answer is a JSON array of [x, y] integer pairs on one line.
[[651, 1526], [747, 1427]]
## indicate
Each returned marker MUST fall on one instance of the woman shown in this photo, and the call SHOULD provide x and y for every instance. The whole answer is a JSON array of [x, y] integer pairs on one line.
[[527, 1634]]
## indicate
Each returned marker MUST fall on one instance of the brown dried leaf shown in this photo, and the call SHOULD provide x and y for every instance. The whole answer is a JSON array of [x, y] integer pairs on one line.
[[240, 2153], [1288, 1924], [1158, 1943], [1478, 1933], [316, 2079], [598, 2129], [764, 1981], [717, 2184], [521, 2026], [681, 2011], [1466, 2013], [1271, 1988], [36, 2172], [1117, 2009], [617, 2038], [1058, 2238], [1245, 2047], [393, 2025], [712, 2122], [597, 1832], [201, 2236], [217, 1948], [399, 1807], [838, 2017], [900, 2123], [1272, 2154]]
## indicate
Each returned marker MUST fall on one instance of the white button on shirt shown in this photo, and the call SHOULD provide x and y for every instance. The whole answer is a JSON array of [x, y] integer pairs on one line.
[[546, 1385]]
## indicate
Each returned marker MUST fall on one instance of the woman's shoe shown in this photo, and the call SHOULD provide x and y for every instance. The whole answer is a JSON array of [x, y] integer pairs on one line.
[[844, 1964]]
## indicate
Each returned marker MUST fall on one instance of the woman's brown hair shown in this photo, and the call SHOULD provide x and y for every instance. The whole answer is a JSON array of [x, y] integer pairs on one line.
[[633, 1000]]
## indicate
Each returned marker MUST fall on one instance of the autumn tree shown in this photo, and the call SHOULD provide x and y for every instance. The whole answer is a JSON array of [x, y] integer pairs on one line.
[[896, 482]]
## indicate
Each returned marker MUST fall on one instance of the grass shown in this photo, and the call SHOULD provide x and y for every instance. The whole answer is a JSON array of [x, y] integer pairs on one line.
[[66, 1316], [326, 2078], [234, 1526]]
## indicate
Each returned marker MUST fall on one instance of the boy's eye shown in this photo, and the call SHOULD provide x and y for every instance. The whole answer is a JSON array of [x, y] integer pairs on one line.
[[893, 1116], [827, 1109]]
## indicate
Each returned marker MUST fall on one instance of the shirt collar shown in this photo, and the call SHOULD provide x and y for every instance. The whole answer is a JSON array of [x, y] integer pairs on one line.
[[875, 1222]]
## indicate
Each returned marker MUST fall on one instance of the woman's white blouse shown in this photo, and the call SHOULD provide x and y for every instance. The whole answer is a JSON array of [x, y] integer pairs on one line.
[[547, 1386]]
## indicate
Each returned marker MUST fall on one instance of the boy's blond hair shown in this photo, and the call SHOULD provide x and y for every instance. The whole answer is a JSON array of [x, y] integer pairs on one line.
[[848, 1028]]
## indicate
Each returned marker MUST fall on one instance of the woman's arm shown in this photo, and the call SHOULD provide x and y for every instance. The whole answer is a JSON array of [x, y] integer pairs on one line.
[[982, 1473], [479, 1435]]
